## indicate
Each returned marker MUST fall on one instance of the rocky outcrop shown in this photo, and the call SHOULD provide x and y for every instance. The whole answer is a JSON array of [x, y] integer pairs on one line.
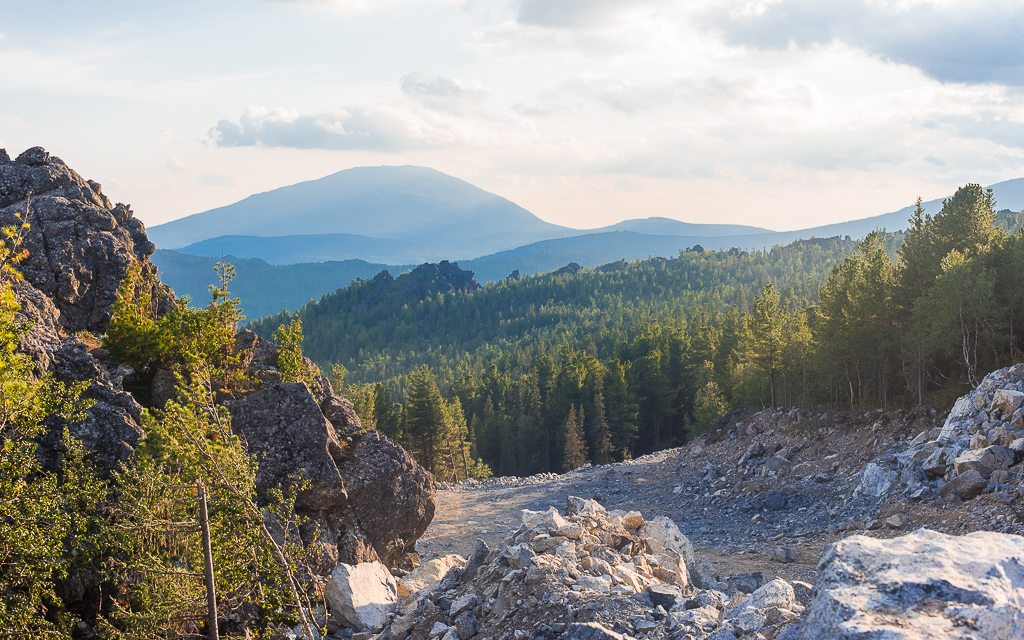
[[982, 435], [80, 245], [365, 497], [920, 586], [428, 279]]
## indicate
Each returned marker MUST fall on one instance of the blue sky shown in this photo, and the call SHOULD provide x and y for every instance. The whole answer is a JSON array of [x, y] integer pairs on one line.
[[783, 113]]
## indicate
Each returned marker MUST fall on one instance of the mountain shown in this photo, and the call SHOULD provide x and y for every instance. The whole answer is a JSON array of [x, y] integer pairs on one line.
[[670, 227], [414, 204]]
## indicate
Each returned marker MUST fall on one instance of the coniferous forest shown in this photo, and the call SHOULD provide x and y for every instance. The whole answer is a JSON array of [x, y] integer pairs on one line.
[[547, 372]]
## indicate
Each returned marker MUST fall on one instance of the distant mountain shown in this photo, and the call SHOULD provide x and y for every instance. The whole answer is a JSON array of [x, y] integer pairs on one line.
[[319, 248], [415, 204], [670, 227]]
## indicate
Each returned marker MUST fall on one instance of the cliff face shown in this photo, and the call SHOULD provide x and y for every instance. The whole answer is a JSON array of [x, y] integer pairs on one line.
[[428, 279]]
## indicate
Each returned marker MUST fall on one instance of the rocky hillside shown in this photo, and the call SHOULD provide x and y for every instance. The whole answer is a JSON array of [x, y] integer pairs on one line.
[[365, 499]]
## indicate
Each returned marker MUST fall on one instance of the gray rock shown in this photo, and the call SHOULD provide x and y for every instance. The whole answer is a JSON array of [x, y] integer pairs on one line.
[[803, 592], [984, 461], [80, 246], [664, 595], [745, 582], [874, 481], [591, 631], [476, 560], [467, 625], [937, 463], [785, 555], [965, 486], [922, 585]]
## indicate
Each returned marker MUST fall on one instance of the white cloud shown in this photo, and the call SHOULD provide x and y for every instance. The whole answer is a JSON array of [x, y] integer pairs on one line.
[[176, 165], [972, 42], [444, 94], [360, 6]]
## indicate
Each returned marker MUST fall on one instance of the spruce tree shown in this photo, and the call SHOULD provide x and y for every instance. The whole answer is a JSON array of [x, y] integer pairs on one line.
[[575, 447]]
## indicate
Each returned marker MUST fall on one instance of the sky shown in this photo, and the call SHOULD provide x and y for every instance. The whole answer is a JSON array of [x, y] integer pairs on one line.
[[783, 114]]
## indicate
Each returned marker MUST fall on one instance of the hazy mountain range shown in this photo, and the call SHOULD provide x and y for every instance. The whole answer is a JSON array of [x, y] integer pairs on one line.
[[356, 222]]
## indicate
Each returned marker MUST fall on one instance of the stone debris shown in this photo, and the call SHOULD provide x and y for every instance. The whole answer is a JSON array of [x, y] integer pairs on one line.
[[587, 572]]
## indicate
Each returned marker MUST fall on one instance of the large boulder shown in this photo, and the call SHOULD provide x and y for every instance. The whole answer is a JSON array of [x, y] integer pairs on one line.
[[366, 498], [922, 585], [362, 595], [80, 245], [390, 496], [284, 428]]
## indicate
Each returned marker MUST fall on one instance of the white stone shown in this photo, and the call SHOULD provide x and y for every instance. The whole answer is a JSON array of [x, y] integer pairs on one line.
[[959, 410], [428, 575], [583, 507], [972, 586], [595, 583], [874, 481], [777, 593], [1007, 401], [668, 535], [549, 519], [363, 595], [438, 630]]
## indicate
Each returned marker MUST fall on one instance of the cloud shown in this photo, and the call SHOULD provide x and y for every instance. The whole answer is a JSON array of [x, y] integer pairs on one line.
[[216, 180], [368, 127], [176, 165], [444, 94], [968, 42], [572, 14], [359, 6], [168, 134]]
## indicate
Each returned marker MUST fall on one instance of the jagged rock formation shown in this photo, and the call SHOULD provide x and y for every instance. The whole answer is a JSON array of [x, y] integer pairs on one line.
[[80, 246], [428, 279]]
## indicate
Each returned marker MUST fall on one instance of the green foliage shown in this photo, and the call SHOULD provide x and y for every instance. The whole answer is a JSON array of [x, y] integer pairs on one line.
[[40, 509], [158, 561], [290, 361]]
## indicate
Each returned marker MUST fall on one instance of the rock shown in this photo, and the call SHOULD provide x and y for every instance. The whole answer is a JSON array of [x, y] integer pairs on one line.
[[591, 631], [664, 595], [374, 500], [895, 522], [745, 582], [922, 585], [463, 603], [668, 535], [777, 593], [777, 501], [1006, 401], [438, 630], [722, 634], [602, 584], [980, 441], [391, 497], [965, 486], [984, 461], [548, 520], [362, 595], [112, 426], [633, 520], [937, 463], [1017, 449], [162, 388], [776, 463], [285, 429], [575, 506], [428, 575], [803, 592], [467, 625], [785, 555], [874, 481], [476, 560], [80, 246]]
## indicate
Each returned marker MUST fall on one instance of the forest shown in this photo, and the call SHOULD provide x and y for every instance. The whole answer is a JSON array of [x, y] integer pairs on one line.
[[548, 372]]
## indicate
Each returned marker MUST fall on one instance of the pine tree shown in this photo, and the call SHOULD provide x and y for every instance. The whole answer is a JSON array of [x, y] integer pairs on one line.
[[766, 325], [425, 417], [602, 436], [575, 446]]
